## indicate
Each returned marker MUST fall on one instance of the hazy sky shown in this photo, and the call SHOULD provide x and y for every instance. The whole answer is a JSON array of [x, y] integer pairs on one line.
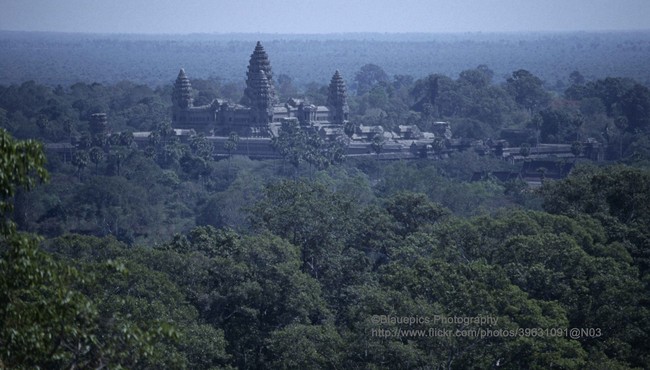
[[322, 16]]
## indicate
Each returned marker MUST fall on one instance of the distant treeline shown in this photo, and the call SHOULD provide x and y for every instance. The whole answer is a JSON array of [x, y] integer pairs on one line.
[[58, 58]]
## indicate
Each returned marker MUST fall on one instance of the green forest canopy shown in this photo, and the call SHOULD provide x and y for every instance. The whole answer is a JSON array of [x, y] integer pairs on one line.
[[320, 256]]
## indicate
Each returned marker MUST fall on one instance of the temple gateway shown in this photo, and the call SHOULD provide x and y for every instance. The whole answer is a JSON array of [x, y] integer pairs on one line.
[[259, 114]]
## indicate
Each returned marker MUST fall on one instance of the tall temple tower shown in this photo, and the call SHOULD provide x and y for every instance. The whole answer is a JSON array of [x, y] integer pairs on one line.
[[259, 61], [182, 100], [261, 98], [182, 95], [337, 99]]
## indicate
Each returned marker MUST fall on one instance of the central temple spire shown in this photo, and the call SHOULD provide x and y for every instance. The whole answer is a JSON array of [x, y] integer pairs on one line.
[[259, 61], [182, 94], [337, 99]]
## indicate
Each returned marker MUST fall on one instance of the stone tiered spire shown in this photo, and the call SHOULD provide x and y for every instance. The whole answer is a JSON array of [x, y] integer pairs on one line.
[[262, 89], [182, 95], [261, 96], [337, 99], [259, 61]]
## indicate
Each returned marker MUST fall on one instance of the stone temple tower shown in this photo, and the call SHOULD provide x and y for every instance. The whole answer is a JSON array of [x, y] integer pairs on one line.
[[259, 61], [260, 92], [182, 95], [181, 99], [337, 99]]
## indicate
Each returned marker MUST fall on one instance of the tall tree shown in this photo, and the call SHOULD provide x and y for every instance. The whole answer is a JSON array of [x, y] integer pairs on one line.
[[231, 144], [96, 155], [80, 160], [309, 216], [369, 76], [45, 319], [527, 90], [19, 162], [377, 144]]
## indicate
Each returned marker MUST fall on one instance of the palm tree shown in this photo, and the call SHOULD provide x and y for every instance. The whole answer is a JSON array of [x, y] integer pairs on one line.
[[621, 123], [68, 128], [230, 146], [577, 123], [96, 155], [377, 143], [118, 156], [80, 160], [126, 138], [524, 150], [542, 173], [576, 149], [438, 144]]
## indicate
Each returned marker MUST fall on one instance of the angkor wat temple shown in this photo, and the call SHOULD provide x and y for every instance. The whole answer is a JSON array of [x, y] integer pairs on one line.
[[259, 113], [258, 117]]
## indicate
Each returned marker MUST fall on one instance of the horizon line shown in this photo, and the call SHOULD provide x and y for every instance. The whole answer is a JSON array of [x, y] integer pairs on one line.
[[406, 33]]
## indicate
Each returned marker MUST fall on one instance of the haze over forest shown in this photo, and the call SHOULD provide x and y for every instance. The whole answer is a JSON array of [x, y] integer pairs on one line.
[[147, 42], [59, 58], [318, 17]]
